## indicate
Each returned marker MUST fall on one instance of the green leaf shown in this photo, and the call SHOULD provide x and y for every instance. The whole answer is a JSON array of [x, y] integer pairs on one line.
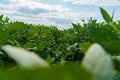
[[105, 15], [77, 28], [28, 45], [101, 35], [1, 17], [116, 60], [84, 46], [113, 47], [41, 45], [8, 33], [113, 15]]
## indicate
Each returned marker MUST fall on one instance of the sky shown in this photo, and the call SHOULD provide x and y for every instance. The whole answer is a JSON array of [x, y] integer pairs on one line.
[[60, 13]]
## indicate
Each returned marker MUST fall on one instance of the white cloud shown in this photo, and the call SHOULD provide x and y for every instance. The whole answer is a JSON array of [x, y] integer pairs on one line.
[[95, 2], [32, 4], [55, 11], [43, 18]]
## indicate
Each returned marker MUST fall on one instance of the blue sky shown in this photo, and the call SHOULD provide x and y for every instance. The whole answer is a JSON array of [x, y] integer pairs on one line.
[[57, 12]]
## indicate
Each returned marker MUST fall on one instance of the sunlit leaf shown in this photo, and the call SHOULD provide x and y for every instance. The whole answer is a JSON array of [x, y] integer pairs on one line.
[[25, 59], [99, 63]]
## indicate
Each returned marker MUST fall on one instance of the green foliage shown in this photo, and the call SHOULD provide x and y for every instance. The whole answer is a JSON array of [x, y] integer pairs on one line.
[[61, 50]]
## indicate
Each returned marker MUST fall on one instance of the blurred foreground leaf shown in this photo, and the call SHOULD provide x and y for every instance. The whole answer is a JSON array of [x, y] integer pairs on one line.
[[69, 72], [25, 59], [99, 63]]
